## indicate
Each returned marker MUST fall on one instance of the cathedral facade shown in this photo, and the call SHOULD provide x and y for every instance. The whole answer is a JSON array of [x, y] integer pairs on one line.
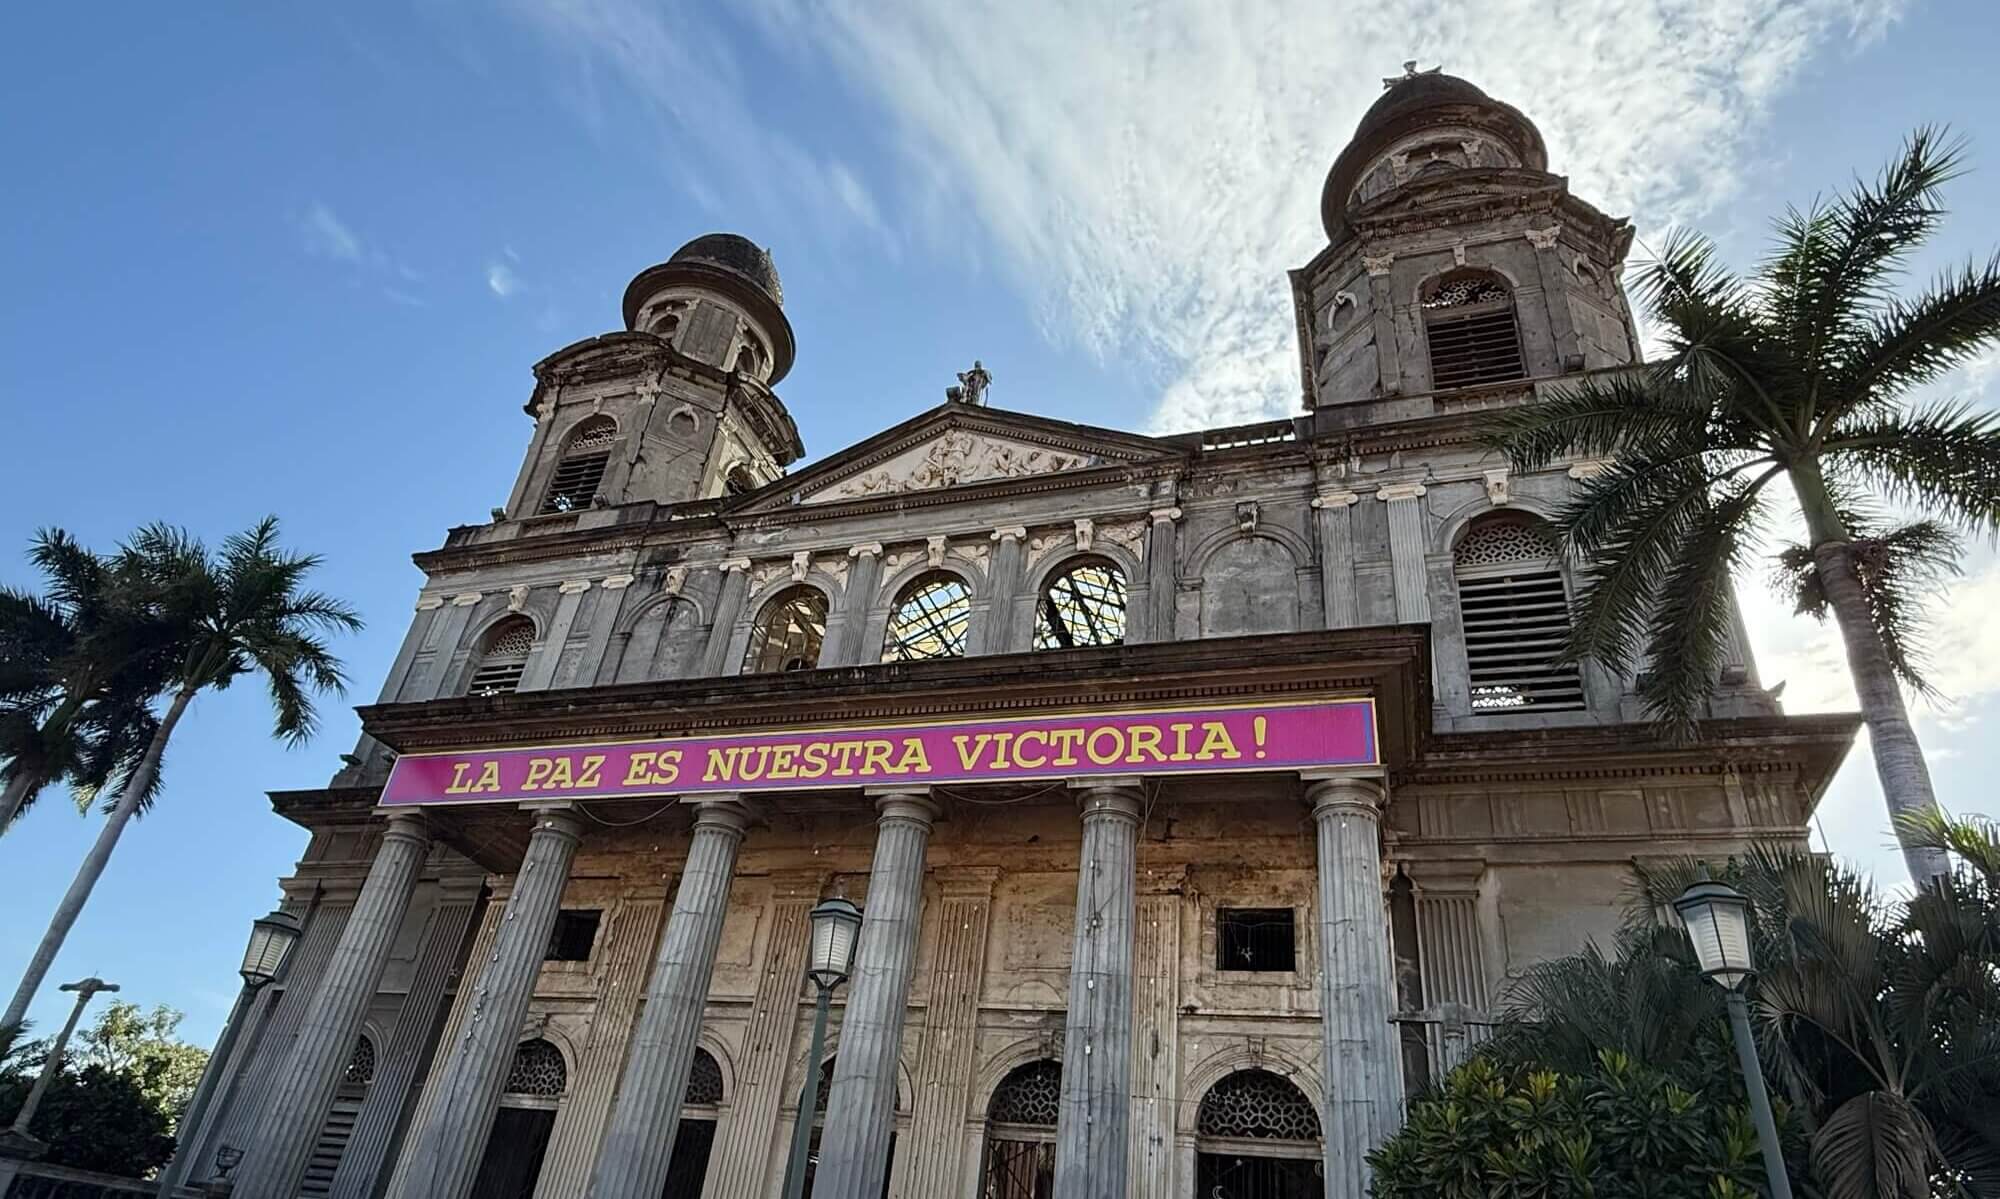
[[1201, 793]]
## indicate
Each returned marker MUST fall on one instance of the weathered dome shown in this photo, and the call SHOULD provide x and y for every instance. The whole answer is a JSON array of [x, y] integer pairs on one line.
[[738, 254], [1410, 105]]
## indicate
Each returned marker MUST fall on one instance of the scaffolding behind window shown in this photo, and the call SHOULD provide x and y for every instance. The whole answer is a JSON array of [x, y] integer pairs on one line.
[[789, 632], [932, 616], [1084, 605]]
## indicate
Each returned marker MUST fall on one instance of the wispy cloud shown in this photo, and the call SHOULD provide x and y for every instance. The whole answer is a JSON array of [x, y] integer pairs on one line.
[[501, 279], [327, 236]]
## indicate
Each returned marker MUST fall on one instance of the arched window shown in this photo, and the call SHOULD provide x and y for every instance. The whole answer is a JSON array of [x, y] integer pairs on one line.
[[739, 481], [665, 643], [1021, 1133], [537, 1071], [932, 616], [687, 1170], [1470, 327], [580, 470], [666, 324], [1257, 1134], [788, 633], [337, 1130], [522, 1123], [1515, 612], [503, 656], [749, 357], [1083, 605]]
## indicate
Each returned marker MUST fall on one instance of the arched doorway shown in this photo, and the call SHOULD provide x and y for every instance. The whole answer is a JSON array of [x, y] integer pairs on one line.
[[1257, 1137], [1020, 1159], [700, 1106], [535, 1086]]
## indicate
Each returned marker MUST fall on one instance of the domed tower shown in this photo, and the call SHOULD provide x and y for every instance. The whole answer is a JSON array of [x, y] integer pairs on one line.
[[679, 406], [1456, 263]]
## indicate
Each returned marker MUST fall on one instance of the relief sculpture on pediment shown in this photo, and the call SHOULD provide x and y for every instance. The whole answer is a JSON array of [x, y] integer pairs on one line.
[[953, 460]]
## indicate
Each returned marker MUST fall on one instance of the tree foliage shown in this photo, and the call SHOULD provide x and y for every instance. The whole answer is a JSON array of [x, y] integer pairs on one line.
[[143, 1046]]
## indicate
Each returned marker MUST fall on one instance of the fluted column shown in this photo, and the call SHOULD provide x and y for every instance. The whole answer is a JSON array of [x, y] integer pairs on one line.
[[1333, 517], [1093, 1156], [1363, 1052], [291, 1121], [861, 1107], [1408, 547], [728, 610], [847, 631], [1006, 587], [640, 1142], [442, 1154], [1162, 575]]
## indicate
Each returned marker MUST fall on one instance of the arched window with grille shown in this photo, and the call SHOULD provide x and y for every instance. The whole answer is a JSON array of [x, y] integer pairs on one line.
[[1020, 1160], [1256, 1133], [526, 1116], [1083, 605], [503, 657], [580, 471], [931, 619], [739, 481], [1471, 330], [1514, 608], [687, 1170], [338, 1129], [789, 632]]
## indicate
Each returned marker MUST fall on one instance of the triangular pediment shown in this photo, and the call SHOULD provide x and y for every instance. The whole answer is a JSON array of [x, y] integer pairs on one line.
[[956, 445]]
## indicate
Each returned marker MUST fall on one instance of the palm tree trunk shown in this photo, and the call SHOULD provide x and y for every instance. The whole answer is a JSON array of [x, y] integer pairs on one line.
[[93, 866], [1892, 740], [11, 800]]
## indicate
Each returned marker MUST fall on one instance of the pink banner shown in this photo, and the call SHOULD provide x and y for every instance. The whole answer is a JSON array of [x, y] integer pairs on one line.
[[1181, 741]]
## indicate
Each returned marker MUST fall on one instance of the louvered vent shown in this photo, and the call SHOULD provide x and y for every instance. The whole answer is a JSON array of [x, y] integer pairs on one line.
[[1469, 323], [504, 659], [1515, 612], [581, 470]]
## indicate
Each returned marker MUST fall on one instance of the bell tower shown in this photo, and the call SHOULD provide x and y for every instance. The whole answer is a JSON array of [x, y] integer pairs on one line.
[[677, 407], [1455, 262]]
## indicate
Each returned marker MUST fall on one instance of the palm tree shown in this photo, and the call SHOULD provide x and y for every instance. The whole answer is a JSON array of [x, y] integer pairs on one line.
[[80, 665], [1802, 371], [242, 611]]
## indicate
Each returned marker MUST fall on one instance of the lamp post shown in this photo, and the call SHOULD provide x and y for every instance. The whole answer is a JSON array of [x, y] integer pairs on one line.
[[836, 924], [1717, 917], [16, 1144], [271, 940]]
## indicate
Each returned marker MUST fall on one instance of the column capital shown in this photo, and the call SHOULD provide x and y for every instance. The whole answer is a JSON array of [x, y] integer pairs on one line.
[[1453, 876], [426, 603], [558, 819], [871, 548], [730, 565], [1009, 533], [1338, 497], [912, 804], [1115, 797], [465, 599], [574, 586], [410, 825], [1390, 492], [617, 582], [1165, 516], [722, 813], [1346, 795]]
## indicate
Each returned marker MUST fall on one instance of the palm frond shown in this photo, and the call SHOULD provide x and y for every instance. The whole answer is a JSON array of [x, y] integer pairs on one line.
[[1875, 1146], [1908, 343], [1689, 629], [1897, 571], [1598, 417], [1942, 459]]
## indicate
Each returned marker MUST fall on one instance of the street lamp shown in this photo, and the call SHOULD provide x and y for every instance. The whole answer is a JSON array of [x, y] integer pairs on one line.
[[271, 939], [836, 925], [1717, 917]]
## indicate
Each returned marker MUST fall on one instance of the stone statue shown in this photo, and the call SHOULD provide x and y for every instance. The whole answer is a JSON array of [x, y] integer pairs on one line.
[[1410, 71], [971, 387]]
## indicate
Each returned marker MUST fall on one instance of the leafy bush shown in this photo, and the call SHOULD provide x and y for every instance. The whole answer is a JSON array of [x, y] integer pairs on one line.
[[94, 1119]]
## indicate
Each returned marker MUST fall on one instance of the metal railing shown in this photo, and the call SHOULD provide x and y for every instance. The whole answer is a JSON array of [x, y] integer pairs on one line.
[[38, 1180]]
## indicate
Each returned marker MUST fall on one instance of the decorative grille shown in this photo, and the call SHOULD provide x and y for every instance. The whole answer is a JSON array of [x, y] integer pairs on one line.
[[1515, 613], [1030, 1094], [597, 433], [788, 633], [505, 658], [538, 1070], [1257, 1103], [1082, 606], [1469, 323], [704, 1080], [360, 1065], [931, 619]]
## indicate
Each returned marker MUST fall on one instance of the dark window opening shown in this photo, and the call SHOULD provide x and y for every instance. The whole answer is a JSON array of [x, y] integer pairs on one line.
[[1471, 330], [581, 470], [1260, 939], [575, 933]]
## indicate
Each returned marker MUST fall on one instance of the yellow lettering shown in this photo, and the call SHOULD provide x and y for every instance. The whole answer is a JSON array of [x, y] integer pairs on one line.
[[669, 768], [784, 762], [592, 765], [914, 758], [1215, 743], [1105, 757], [1065, 741], [845, 752], [875, 757], [559, 778], [760, 755], [489, 778], [721, 766], [538, 773], [1000, 743], [1145, 740], [813, 764], [1180, 732], [1041, 738], [458, 784], [971, 749], [639, 770]]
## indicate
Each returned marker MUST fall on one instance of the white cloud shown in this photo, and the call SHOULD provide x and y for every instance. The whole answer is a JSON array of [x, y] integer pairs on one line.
[[327, 236], [1149, 172], [501, 279]]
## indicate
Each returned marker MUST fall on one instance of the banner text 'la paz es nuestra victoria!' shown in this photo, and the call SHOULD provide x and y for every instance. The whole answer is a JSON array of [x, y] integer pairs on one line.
[[1269, 737]]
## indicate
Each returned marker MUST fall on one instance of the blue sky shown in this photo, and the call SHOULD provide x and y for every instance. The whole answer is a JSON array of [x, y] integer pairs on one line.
[[300, 260]]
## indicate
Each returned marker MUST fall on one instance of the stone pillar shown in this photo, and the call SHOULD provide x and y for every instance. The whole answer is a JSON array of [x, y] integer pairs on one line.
[[540, 673], [1407, 550], [640, 1142], [861, 1107], [1156, 1006], [1336, 556], [850, 624], [728, 610], [1162, 575], [1382, 314], [1093, 1150], [744, 1147], [291, 1121], [1363, 1052], [1554, 280], [451, 631], [1006, 585], [944, 1065], [1453, 962], [442, 1154]]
